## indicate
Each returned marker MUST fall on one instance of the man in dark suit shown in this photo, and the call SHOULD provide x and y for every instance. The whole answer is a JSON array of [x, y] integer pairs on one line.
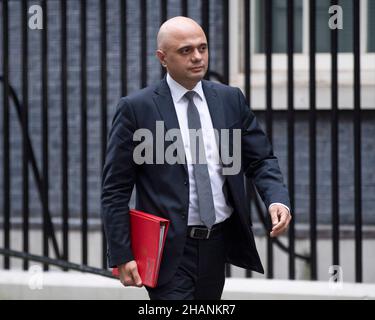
[[208, 210]]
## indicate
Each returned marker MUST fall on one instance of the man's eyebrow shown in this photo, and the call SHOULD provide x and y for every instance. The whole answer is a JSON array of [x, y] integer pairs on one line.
[[188, 46], [184, 47]]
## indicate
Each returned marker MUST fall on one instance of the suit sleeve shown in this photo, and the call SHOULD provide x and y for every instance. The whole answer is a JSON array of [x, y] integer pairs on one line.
[[118, 180], [258, 160]]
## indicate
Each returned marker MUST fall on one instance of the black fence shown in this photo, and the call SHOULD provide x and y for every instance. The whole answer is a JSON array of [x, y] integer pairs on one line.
[[20, 101]]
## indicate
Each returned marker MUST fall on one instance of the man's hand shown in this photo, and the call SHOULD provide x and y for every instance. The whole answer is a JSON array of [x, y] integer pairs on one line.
[[280, 217], [129, 275]]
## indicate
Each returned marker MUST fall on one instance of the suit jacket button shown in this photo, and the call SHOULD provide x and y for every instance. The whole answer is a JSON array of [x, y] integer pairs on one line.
[[185, 183]]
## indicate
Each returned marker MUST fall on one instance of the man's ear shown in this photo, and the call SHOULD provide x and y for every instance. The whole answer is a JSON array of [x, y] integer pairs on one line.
[[161, 56]]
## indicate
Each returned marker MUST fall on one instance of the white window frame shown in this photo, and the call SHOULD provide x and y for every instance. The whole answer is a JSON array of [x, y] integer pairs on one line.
[[301, 66]]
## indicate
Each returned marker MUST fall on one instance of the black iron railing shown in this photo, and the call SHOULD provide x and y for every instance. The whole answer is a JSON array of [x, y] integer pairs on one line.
[[10, 99]]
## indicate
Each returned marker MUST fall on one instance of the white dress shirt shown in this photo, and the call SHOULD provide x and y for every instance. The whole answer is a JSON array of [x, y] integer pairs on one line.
[[222, 209]]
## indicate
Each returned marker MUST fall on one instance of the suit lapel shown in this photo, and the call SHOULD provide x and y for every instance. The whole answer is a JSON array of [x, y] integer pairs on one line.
[[164, 102], [216, 109]]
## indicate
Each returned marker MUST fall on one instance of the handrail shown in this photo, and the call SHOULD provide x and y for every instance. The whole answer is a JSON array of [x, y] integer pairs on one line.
[[37, 177], [57, 262]]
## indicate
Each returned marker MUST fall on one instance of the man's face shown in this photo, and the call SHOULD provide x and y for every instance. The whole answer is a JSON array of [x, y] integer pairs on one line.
[[186, 56]]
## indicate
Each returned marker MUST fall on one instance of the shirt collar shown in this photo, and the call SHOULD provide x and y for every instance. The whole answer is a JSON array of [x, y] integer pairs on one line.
[[178, 91]]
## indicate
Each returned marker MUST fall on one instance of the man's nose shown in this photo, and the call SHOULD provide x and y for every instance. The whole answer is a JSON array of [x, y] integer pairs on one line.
[[197, 55]]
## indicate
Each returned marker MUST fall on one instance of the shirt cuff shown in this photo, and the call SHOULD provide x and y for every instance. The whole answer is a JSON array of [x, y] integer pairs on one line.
[[279, 204]]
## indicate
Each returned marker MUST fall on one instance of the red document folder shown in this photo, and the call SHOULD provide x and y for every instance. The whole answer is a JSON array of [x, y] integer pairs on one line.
[[148, 233]]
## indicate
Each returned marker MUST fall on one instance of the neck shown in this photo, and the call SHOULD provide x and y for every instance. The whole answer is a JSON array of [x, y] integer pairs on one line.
[[189, 85]]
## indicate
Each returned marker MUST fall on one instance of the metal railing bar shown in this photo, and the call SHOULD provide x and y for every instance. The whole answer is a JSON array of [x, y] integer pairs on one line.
[[64, 133], [163, 18], [225, 17], [83, 107], [103, 102], [6, 129], [205, 16], [25, 130], [184, 8], [291, 143], [334, 144], [45, 131], [143, 55], [124, 48], [357, 140], [269, 111], [312, 141]]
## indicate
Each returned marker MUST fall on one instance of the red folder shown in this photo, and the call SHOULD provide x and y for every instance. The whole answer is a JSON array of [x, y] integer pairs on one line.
[[148, 233]]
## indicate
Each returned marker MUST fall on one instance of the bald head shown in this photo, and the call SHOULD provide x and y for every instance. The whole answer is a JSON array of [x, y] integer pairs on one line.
[[175, 29], [182, 50]]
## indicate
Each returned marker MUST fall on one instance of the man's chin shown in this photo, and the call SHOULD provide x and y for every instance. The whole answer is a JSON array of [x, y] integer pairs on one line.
[[197, 76]]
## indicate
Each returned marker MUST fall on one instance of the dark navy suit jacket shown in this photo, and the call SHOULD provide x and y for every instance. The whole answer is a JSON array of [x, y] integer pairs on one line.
[[163, 189]]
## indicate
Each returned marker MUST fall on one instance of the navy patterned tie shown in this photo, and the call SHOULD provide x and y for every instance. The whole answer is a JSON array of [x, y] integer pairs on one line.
[[201, 175]]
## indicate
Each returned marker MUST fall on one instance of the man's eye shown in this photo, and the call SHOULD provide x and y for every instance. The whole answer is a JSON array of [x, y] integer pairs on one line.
[[185, 50], [203, 48]]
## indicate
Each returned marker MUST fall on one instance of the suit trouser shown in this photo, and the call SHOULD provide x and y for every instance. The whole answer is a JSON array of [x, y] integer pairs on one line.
[[201, 273]]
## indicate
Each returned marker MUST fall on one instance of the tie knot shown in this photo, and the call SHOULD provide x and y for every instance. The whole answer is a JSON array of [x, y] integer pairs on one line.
[[190, 95]]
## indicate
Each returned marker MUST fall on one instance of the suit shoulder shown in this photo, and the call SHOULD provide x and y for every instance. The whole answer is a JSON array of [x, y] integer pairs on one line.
[[140, 95], [222, 88]]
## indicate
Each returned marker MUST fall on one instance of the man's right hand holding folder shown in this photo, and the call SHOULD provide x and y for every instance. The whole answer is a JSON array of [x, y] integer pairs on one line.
[[148, 233], [129, 275]]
